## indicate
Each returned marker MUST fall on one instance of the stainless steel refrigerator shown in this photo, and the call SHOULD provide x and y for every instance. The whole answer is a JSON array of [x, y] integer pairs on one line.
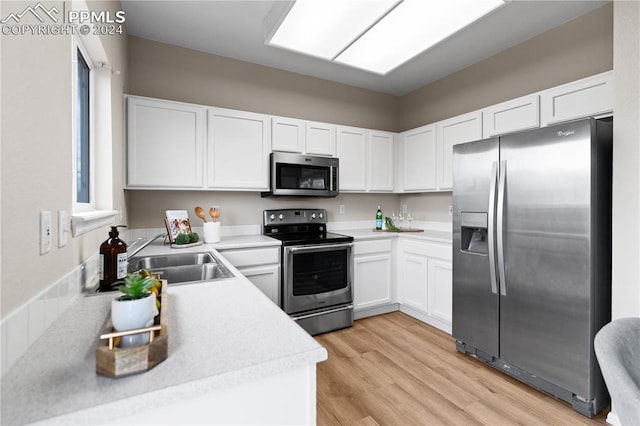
[[532, 255]]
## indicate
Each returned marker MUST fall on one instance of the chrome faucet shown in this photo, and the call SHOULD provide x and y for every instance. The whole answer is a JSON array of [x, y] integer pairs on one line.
[[131, 253]]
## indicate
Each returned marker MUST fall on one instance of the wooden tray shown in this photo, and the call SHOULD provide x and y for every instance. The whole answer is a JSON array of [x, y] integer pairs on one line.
[[113, 361], [401, 230]]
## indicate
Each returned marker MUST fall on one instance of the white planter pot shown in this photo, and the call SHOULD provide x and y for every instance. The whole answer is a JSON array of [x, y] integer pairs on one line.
[[132, 314]]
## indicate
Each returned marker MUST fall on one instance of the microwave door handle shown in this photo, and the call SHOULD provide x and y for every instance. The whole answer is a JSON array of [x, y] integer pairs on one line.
[[331, 178]]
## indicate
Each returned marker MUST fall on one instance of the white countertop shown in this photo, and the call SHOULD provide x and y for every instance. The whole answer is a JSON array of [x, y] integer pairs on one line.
[[220, 334], [369, 234]]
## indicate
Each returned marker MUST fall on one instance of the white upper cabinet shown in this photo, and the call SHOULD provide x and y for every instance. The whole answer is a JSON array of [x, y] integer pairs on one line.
[[366, 159], [581, 98], [461, 129], [419, 157], [511, 116], [238, 146], [320, 138], [305, 137], [380, 161], [287, 134], [351, 143], [165, 143]]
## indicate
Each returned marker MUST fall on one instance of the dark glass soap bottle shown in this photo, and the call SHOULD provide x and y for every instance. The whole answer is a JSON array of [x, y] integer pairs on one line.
[[113, 260]]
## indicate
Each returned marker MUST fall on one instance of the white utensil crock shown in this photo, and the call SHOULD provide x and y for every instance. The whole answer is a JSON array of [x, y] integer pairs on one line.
[[212, 232]]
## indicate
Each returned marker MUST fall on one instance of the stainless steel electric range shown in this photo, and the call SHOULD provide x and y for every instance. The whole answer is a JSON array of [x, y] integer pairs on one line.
[[317, 269]]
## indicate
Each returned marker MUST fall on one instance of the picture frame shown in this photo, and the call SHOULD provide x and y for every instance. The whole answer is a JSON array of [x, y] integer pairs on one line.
[[176, 222]]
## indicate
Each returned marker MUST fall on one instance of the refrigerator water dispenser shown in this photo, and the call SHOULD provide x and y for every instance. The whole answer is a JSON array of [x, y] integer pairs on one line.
[[474, 233]]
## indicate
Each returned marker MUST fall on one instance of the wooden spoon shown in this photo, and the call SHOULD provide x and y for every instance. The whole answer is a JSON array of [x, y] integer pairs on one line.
[[200, 213], [214, 213]]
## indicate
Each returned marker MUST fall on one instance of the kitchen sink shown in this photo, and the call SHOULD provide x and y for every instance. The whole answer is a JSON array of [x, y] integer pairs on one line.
[[182, 268], [163, 261]]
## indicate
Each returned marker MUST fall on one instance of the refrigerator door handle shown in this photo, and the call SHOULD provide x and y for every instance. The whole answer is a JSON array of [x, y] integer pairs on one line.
[[500, 227], [490, 227]]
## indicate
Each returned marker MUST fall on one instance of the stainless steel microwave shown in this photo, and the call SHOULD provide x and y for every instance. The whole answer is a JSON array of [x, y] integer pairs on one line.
[[303, 175]]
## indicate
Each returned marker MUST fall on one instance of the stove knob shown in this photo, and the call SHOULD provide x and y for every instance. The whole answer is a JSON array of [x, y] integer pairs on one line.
[[321, 215], [272, 217], [313, 215], [281, 216]]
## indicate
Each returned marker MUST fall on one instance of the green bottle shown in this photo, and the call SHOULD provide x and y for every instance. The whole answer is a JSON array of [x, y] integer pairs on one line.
[[379, 219]]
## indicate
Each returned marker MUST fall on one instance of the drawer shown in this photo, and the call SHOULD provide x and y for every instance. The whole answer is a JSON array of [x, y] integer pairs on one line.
[[252, 257], [372, 246]]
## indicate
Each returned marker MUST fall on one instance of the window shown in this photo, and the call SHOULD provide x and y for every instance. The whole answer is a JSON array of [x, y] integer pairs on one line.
[[83, 127], [92, 186]]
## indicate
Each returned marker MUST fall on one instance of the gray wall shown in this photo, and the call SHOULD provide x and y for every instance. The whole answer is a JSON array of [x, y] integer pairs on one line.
[[36, 158], [576, 49]]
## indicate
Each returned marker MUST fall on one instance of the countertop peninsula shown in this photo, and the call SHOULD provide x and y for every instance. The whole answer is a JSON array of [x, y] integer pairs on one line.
[[221, 334]]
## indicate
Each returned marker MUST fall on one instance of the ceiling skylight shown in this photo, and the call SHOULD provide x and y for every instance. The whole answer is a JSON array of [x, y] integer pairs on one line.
[[374, 35], [323, 28]]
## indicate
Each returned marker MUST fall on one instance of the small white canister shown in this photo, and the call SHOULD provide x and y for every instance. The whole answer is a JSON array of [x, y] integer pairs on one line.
[[212, 232]]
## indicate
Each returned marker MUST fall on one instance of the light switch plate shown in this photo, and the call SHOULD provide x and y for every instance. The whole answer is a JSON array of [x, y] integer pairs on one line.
[[63, 227], [45, 232]]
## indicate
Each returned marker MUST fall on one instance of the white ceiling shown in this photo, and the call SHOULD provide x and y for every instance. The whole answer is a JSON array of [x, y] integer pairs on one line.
[[236, 29]]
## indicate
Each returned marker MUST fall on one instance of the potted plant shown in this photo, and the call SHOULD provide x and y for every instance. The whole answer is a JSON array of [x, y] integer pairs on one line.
[[135, 307]]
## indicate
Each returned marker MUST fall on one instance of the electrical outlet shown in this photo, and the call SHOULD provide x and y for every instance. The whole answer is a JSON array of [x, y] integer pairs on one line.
[[45, 232], [63, 227], [342, 209], [404, 208], [450, 210]]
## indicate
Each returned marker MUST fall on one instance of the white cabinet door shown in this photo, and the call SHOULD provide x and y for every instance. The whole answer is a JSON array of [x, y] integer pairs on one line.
[[351, 145], [238, 146], [266, 278], [372, 280], [287, 134], [511, 116], [320, 138], [440, 290], [380, 161], [425, 281], [460, 129], [414, 274], [419, 157], [582, 98], [261, 266], [165, 143]]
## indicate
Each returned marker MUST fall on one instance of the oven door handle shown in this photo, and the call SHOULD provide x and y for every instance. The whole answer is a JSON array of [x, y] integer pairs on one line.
[[324, 247], [328, 311]]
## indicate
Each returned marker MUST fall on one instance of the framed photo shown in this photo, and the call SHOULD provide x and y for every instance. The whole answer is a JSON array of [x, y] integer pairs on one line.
[[177, 222]]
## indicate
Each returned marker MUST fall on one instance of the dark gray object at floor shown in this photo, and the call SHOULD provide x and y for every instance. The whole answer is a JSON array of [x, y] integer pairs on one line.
[[617, 347]]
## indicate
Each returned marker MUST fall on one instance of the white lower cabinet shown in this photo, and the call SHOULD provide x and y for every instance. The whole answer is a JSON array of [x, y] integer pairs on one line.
[[261, 266], [373, 276], [425, 281]]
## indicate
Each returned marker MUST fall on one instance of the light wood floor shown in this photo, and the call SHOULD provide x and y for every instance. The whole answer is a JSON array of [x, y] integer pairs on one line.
[[394, 370]]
